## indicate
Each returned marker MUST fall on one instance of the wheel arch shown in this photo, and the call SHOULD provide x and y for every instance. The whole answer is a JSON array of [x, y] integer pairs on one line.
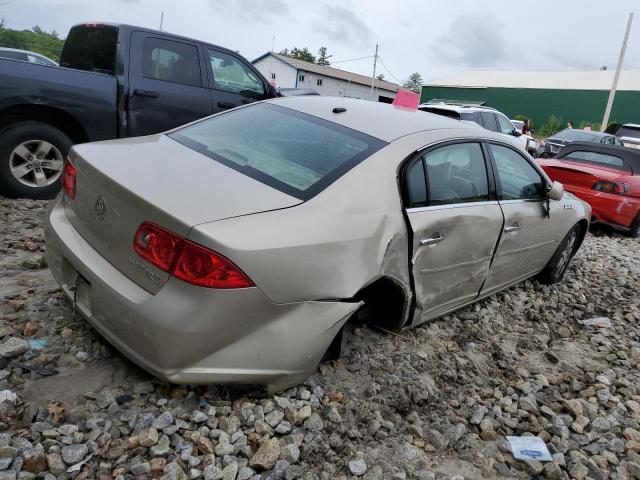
[[52, 116]]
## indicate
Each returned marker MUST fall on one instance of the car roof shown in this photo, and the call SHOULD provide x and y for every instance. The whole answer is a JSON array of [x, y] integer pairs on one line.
[[457, 108], [631, 156], [381, 120], [631, 125]]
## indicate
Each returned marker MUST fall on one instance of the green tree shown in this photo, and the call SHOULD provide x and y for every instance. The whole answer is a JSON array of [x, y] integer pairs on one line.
[[36, 40], [380, 76], [553, 125], [299, 54], [414, 82], [323, 58]]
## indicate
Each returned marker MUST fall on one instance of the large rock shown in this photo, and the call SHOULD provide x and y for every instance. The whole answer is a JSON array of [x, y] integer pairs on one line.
[[148, 437], [266, 456], [13, 346], [72, 454], [34, 459], [212, 473]]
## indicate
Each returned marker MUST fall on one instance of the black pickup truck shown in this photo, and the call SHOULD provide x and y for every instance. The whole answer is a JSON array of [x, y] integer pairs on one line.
[[113, 81]]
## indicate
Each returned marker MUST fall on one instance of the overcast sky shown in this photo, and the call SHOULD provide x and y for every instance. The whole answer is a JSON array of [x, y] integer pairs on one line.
[[432, 37]]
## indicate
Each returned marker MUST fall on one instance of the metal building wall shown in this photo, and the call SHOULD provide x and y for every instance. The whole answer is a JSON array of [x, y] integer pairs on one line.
[[539, 104]]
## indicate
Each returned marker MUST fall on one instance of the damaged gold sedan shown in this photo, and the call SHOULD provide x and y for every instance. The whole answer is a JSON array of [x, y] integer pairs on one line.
[[234, 249]]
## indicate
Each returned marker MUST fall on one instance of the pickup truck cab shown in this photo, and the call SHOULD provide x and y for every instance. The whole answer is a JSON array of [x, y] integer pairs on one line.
[[114, 81]]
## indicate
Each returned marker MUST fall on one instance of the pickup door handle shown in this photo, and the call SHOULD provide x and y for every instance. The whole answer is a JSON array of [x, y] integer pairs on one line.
[[514, 227], [433, 239], [146, 93], [226, 105]]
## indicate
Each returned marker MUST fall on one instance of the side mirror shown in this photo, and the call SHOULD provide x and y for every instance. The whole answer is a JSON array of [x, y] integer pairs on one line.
[[556, 191], [516, 133]]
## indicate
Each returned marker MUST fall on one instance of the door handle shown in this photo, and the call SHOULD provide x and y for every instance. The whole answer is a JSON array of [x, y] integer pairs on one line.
[[433, 239], [248, 100], [146, 93], [514, 227], [226, 105]]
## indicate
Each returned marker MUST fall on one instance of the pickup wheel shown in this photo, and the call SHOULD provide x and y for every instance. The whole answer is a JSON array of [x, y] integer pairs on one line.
[[31, 160], [554, 271]]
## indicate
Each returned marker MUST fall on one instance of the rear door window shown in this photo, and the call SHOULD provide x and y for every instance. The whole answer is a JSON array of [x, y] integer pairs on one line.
[[291, 151], [14, 55], [596, 158], [489, 121], [170, 61]]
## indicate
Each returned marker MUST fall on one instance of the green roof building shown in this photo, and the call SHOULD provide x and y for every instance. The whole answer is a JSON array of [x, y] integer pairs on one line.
[[577, 96]]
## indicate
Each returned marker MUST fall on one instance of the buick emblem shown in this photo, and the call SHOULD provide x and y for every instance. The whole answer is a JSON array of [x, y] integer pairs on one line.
[[101, 208]]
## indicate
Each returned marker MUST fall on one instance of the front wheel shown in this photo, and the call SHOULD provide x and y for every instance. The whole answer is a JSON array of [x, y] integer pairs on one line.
[[31, 160], [554, 271]]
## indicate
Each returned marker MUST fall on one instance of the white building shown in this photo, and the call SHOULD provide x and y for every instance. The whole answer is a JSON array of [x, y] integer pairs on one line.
[[287, 72]]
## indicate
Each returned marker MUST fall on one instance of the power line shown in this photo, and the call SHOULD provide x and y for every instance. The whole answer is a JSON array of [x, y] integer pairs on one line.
[[385, 67], [353, 59]]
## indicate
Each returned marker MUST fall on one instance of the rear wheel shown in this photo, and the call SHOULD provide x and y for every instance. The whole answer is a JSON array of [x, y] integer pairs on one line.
[[554, 271], [634, 231], [31, 160]]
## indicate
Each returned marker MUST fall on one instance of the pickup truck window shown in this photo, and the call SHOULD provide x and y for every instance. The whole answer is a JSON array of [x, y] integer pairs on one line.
[[91, 48], [170, 61], [231, 75]]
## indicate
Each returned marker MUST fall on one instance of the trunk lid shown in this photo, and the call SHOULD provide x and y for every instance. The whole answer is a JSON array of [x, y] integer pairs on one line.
[[122, 183], [577, 174]]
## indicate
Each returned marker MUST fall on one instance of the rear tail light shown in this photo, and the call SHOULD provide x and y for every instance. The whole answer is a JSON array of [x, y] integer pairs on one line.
[[617, 188], [69, 179], [201, 266], [186, 260], [157, 245]]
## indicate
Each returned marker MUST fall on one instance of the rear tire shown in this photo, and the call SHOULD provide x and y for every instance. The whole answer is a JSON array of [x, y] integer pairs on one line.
[[555, 270], [31, 156], [634, 231]]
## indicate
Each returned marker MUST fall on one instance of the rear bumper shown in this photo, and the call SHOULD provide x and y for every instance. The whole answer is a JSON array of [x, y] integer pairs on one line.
[[607, 208], [189, 334]]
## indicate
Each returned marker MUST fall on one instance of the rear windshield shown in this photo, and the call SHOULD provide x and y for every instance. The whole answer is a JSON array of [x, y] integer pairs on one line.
[[575, 135], [295, 153], [628, 132], [442, 111], [596, 158], [91, 48]]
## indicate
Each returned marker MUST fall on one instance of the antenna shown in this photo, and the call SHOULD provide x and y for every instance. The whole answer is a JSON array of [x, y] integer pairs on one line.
[[161, 19]]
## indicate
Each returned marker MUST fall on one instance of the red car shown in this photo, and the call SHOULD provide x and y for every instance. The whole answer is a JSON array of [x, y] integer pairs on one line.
[[607, 177]]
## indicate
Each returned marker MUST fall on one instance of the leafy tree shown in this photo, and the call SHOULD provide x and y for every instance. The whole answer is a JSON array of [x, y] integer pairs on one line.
[[380, 76], [323, 57], [299, 54], [553, 125], [36, 40], [414, 82]]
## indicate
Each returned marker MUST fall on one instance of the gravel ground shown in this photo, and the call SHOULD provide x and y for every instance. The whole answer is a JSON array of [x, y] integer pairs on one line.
[[433, 402]]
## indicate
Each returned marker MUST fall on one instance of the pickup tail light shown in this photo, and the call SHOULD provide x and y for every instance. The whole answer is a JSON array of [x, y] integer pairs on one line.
[[69, 179], [187, 260], [617, 188]]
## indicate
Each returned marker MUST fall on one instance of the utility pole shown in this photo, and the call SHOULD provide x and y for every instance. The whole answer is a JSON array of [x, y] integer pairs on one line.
[[373, 77], [616, 76], [161, 19]]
